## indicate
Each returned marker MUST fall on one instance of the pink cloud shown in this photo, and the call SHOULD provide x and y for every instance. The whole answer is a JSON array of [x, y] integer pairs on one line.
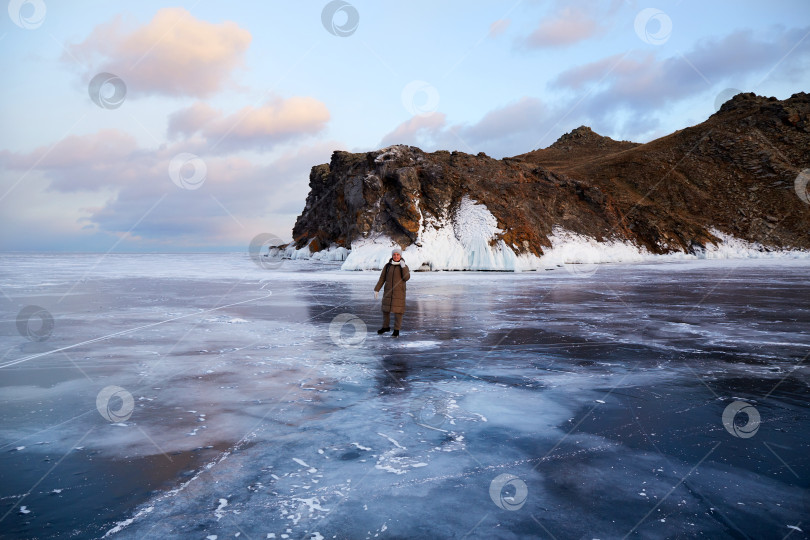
[[408, 132], [174, 54], [498, 27], [506, 130], [93, 154], [189, 120], [278, 120], [617, 65], [567, 26], [238, 200], [646, 82], [103, 182]]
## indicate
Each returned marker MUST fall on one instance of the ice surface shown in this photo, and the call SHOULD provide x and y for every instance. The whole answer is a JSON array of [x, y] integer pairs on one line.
[[603, 393]]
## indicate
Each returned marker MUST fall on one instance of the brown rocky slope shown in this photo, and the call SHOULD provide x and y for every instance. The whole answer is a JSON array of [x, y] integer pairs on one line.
[[735, 173]]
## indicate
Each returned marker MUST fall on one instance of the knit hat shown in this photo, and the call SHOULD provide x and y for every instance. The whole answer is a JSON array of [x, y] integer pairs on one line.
[[396, 250]]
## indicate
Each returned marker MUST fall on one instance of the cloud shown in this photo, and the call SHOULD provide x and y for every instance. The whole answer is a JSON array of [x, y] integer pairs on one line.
[[499, 27], [577, 77], [510, 122], [644, 83], [278, 120], [107, 184], [624, 96], [174, 54], [238, 200], [566, 26], [188, 121], [80, 162], [504, 131], [411, 130]]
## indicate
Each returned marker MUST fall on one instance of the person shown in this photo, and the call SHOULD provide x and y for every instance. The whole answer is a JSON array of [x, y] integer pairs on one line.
[[394, 275]]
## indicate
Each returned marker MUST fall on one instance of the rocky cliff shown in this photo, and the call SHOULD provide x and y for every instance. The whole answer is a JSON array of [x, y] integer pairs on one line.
[[735, 174]]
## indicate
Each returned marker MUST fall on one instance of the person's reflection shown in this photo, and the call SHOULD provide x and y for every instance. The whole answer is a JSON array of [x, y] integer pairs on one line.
[[392, 375]]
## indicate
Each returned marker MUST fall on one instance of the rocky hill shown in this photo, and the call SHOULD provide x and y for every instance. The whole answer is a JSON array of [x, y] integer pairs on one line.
[[581, 143], [733, 173]]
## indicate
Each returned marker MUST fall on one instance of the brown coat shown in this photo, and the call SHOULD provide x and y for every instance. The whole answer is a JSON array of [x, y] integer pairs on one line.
[[394, 278]]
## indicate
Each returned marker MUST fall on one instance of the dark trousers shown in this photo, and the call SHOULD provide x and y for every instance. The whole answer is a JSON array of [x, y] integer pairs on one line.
[[387, 320]]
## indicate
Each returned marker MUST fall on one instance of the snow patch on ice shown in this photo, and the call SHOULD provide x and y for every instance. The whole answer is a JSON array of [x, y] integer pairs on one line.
[[122, 524], [225, 319], [392, 461], [312, 503], [360, 447], [303, 464], [421, 344], [395, 443], [219, 512]]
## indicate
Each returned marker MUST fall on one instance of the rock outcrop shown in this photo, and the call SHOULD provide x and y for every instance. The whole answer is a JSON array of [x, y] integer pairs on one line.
[[733, 173]]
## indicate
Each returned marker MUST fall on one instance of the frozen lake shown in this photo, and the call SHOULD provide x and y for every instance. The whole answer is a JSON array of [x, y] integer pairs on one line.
[[201, 396]]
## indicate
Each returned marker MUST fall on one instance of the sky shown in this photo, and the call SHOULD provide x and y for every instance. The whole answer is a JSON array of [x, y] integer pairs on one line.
[[192, 126]]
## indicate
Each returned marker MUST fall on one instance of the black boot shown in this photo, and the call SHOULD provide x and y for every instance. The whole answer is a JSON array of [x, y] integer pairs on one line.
[[395, 334], [384, 330]]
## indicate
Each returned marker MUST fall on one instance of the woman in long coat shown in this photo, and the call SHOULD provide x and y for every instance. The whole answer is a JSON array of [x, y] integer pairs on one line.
[[394, 275]]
